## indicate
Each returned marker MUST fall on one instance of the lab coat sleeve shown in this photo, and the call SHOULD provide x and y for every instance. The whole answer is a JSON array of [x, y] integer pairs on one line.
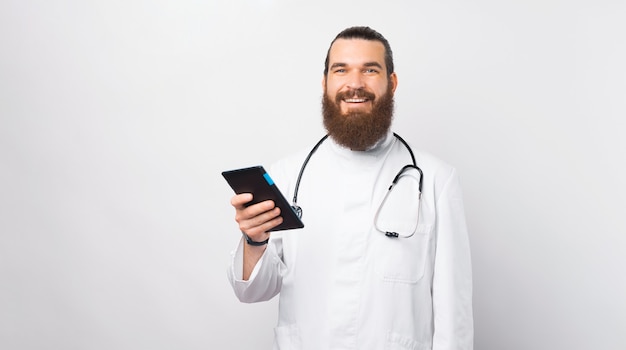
[[266, 278], [452, 279]]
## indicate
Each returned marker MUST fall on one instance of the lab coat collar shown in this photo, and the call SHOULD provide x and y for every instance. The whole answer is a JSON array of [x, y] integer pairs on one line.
[[380, 147]]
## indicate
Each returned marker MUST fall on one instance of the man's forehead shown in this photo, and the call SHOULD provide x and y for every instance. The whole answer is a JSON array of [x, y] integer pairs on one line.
[[357, 49]]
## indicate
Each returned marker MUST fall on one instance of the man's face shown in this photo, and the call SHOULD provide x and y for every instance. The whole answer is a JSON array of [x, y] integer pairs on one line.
[[358, 93]]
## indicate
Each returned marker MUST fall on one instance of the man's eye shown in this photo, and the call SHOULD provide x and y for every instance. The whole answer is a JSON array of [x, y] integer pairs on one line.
[[371, 70], [341, 70]]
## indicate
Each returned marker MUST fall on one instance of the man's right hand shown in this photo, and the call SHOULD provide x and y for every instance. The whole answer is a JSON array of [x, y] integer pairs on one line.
[[257, 219]]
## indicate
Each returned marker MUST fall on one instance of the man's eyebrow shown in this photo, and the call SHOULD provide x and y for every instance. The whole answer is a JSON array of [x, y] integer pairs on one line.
[[366, 64], [373, 64], [338, 64]]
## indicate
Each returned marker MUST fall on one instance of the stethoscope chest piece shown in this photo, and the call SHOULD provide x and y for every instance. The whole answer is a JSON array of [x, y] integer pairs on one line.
[[297, 209]]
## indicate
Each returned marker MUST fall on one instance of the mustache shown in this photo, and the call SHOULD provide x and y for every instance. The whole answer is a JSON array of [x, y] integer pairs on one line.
[[354, 93]]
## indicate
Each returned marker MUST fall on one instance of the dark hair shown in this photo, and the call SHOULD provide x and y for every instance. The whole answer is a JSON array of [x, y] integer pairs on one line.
[[365, 33]]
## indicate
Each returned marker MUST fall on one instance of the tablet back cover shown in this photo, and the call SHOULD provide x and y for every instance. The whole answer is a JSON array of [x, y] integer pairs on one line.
[[257, 181]]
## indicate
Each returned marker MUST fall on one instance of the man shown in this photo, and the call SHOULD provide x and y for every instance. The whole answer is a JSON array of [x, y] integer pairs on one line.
[[347, 281]]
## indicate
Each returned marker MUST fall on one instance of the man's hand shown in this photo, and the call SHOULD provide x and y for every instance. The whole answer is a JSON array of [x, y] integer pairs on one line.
[[256, 219]]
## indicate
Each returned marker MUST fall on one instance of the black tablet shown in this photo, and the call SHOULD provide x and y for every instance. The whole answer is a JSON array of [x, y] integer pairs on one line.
[[257, 181]]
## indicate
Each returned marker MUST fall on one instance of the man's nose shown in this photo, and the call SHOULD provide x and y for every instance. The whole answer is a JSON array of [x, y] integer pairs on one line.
[[355, 80]]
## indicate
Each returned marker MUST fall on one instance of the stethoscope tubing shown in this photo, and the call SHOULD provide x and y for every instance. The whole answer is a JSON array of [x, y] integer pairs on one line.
[[297, 208]]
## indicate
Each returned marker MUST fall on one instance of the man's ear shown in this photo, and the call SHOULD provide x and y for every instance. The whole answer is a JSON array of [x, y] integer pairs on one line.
[[324, 82], [393, 78]]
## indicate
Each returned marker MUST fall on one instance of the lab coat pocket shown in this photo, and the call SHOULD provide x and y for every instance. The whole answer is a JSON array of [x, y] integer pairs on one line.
[[396, 341], [287, 338], [403, 260]]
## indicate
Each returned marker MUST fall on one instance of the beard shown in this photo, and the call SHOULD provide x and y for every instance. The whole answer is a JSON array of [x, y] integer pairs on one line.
[[358, 131]]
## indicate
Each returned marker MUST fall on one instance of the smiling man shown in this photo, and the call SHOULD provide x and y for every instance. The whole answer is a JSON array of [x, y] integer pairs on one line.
[[358, 93], [376, 266]]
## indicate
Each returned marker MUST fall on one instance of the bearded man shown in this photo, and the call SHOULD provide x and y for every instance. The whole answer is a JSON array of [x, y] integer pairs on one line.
[[376, 266]]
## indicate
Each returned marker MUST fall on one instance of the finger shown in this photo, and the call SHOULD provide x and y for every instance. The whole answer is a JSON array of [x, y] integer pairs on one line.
[[239, 200], [261, 232], [253, 216], [257, 209]]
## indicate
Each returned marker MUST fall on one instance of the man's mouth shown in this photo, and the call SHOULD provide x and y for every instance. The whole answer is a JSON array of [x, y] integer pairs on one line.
[[355, 100]]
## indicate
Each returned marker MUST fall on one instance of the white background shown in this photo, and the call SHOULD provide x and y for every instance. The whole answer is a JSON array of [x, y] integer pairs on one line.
[[117, 117]]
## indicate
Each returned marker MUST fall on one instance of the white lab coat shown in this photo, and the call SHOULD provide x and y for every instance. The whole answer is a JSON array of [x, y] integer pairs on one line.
[[343, 284]]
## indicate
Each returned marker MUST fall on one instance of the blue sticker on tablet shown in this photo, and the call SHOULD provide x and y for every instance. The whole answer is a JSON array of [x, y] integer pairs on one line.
[[268, 179]]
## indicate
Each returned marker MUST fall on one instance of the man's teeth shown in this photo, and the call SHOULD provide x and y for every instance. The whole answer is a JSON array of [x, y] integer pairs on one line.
[[355, 100]]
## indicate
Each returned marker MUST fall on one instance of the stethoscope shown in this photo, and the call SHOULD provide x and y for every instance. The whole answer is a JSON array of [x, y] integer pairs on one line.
[[400, 174]]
